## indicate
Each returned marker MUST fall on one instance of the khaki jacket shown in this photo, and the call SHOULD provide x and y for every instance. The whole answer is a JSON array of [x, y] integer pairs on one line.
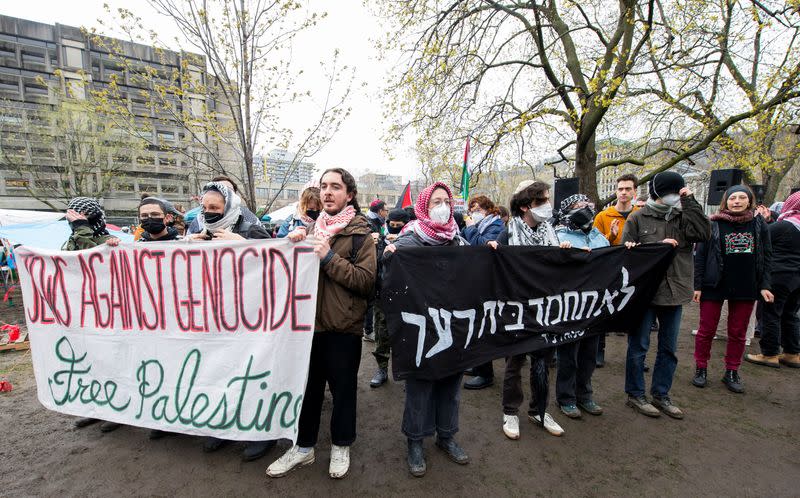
[[344, 286], [687, 226]]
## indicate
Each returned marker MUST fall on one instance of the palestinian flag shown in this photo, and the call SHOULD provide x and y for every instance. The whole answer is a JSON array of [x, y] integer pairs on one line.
[[465, 175], [405, 198]]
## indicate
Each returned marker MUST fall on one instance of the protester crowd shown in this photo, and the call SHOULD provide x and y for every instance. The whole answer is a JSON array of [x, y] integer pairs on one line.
[[745, 254]]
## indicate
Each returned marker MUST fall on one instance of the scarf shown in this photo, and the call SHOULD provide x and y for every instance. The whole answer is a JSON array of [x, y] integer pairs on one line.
[[431, 232], [486, 222], [329, 225], [731, 217], [93, 212], [375, 216], [667, 212], [233, 208], [791, 210], [563, 211], [521, 234]]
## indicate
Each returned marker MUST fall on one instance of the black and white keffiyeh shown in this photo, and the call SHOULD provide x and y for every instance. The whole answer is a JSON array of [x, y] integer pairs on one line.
[[93, 211], [233, 208], [520, 234]]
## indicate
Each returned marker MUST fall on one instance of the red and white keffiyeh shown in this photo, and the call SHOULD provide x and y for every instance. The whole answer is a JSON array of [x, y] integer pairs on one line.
[[791, 210], [430, 231], [329, 225]]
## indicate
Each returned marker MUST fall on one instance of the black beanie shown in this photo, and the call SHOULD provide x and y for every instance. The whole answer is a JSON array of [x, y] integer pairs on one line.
[[665, 183], [398, 215]]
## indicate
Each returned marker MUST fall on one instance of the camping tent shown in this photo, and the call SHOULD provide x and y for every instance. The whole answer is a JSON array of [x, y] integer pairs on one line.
[[17, 216], [284, 212], [47, 235]]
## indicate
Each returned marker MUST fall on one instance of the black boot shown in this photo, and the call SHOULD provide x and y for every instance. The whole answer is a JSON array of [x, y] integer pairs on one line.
[[453, 450], [478, 382], [416, 458], [601, 359], [699, 377], [733, 381], [254, 450]]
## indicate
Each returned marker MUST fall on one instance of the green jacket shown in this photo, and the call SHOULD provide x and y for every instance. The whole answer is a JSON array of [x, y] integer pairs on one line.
[[83, 237], [687, 226]]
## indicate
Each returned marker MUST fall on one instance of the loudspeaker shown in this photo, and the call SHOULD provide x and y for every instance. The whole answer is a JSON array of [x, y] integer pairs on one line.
[[564, 187], [759, 191], [722, 180]]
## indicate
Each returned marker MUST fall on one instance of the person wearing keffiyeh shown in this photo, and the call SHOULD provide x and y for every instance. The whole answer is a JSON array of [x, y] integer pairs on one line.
[[431, 407], [88, 223], [529, 226], [780, 326], [347, 260]]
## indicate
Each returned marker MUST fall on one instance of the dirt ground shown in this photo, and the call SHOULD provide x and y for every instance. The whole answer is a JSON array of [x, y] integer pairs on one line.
[[728, 445]]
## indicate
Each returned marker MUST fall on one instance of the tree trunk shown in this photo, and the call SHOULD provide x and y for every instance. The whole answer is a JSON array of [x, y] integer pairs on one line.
[[585, 164]]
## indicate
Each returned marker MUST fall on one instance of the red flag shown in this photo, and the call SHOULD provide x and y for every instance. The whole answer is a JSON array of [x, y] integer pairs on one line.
[[405, 198]]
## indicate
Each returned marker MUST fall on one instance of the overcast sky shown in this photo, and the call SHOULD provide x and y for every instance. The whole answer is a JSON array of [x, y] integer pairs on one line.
[[349, 27]]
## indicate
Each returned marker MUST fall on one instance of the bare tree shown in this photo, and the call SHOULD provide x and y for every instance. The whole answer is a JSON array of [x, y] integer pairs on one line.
[[63, 149], [555, 76], [246, 54]]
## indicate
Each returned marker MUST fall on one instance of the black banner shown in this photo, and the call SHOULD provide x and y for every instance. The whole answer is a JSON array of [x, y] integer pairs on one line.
[[451, 308]]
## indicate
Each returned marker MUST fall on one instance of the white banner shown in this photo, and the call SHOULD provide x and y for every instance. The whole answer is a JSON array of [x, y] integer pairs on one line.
[[206, 338]]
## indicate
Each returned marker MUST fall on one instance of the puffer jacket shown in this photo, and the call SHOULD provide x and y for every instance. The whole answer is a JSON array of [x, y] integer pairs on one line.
[[708, 262], [688, 226], [345, 284]]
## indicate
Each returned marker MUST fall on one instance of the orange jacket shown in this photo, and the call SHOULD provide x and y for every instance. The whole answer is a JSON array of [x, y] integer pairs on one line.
[[603, 223]]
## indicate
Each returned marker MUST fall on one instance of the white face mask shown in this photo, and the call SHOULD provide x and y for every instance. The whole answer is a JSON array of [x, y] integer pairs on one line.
[[671, 200], [542, 213], [440, 214], [477, 217]]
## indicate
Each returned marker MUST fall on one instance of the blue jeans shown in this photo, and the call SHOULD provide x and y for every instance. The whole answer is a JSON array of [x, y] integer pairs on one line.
[[669, 321]]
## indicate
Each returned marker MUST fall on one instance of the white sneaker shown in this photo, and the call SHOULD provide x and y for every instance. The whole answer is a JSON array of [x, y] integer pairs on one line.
[[290, 460], [511, 426], [340, 461], [550, 425]]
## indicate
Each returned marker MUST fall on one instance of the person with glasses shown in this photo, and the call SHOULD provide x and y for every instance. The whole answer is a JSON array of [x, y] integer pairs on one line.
[[156, 221]]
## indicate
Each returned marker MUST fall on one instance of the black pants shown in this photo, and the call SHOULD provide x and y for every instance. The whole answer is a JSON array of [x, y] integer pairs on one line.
[[335, 358], [368, 318], [576, 364], [780, 326], [512, 383], [484, 370], [383, 348]]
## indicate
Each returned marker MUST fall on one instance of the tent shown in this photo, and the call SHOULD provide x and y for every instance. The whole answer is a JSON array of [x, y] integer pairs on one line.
[[284, 212], [17, 216], [191, 214], [47, 235]]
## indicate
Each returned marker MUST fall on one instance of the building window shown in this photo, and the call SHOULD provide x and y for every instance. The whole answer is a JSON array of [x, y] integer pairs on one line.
[[145, 160], [169, 189], [166, 136], [74, 58], [165, 161], [17, 183], [125, 187], [8, 55], [33, 87], [9, 85], [33, 56]]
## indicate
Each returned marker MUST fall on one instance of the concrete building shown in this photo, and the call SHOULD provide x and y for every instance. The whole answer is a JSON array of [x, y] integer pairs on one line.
[[280, 179], [37, 59]]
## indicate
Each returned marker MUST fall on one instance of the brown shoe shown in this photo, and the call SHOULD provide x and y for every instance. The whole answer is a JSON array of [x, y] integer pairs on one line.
[[760, 359], [790, 360]]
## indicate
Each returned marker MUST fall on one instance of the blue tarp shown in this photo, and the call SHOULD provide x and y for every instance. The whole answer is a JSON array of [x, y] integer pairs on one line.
[[51, 235], [191, 214]]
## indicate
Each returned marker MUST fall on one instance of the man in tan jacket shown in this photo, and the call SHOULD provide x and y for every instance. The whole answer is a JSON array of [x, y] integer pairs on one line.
[[347, 275]]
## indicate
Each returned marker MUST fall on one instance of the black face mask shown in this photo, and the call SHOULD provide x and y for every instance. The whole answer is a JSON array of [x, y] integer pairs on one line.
[[394, 230], [582, 218], [153, 225], [312, 213], [212, 217]]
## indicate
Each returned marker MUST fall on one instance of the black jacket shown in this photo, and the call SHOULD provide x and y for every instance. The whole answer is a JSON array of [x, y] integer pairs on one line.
[[172, 234], [250, 230], [708, 262]]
